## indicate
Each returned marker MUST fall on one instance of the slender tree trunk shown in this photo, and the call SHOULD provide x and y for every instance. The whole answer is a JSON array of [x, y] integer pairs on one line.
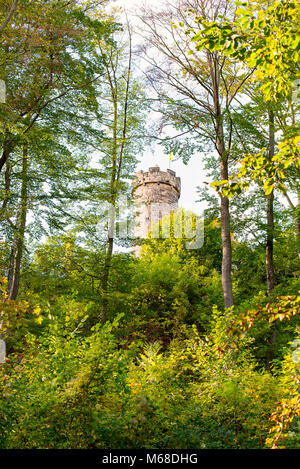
[[107, 264], [6, 190], [270, 244], [270, 271], [224, 206], [226, 243], [109, 249], [117, 154], [113, 192], [298, 216], [270, 215], [18, 241], [6, 151]]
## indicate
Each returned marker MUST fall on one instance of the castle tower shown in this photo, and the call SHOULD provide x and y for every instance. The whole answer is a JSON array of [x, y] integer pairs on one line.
[[155, 194]]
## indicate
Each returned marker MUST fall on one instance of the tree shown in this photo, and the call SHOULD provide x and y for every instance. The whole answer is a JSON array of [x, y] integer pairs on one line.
[[264, 36], [196, 92], [43, 70], [116, 138], [116, 148], [8, 15], [18, 241]]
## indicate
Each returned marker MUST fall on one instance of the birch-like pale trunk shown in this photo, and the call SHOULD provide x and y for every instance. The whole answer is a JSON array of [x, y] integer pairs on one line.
[[18, 241]]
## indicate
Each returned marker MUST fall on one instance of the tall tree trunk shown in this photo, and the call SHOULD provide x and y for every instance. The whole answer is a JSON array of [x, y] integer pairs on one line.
[[18, 241], [107, 263], [224, 206], [270, 215], [6, 190], [298, 216], [117, 154], [270, 244], [113, 190], [109, 248], [270, 271], [226, 243], [8, 147]]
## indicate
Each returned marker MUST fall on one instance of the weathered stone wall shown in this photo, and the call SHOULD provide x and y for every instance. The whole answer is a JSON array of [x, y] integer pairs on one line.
[[155, 194]]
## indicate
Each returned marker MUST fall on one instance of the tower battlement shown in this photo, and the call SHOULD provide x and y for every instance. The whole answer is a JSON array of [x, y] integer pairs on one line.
[[157, 177]]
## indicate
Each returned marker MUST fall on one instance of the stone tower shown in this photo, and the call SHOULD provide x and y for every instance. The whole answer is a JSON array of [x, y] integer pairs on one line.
[[155, 194]]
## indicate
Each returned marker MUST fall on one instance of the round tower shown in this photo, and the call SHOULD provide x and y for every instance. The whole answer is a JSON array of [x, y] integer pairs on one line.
[[155, 194]]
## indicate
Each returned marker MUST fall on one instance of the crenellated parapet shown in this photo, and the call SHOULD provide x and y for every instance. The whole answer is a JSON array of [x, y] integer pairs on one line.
[[154, 176]]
